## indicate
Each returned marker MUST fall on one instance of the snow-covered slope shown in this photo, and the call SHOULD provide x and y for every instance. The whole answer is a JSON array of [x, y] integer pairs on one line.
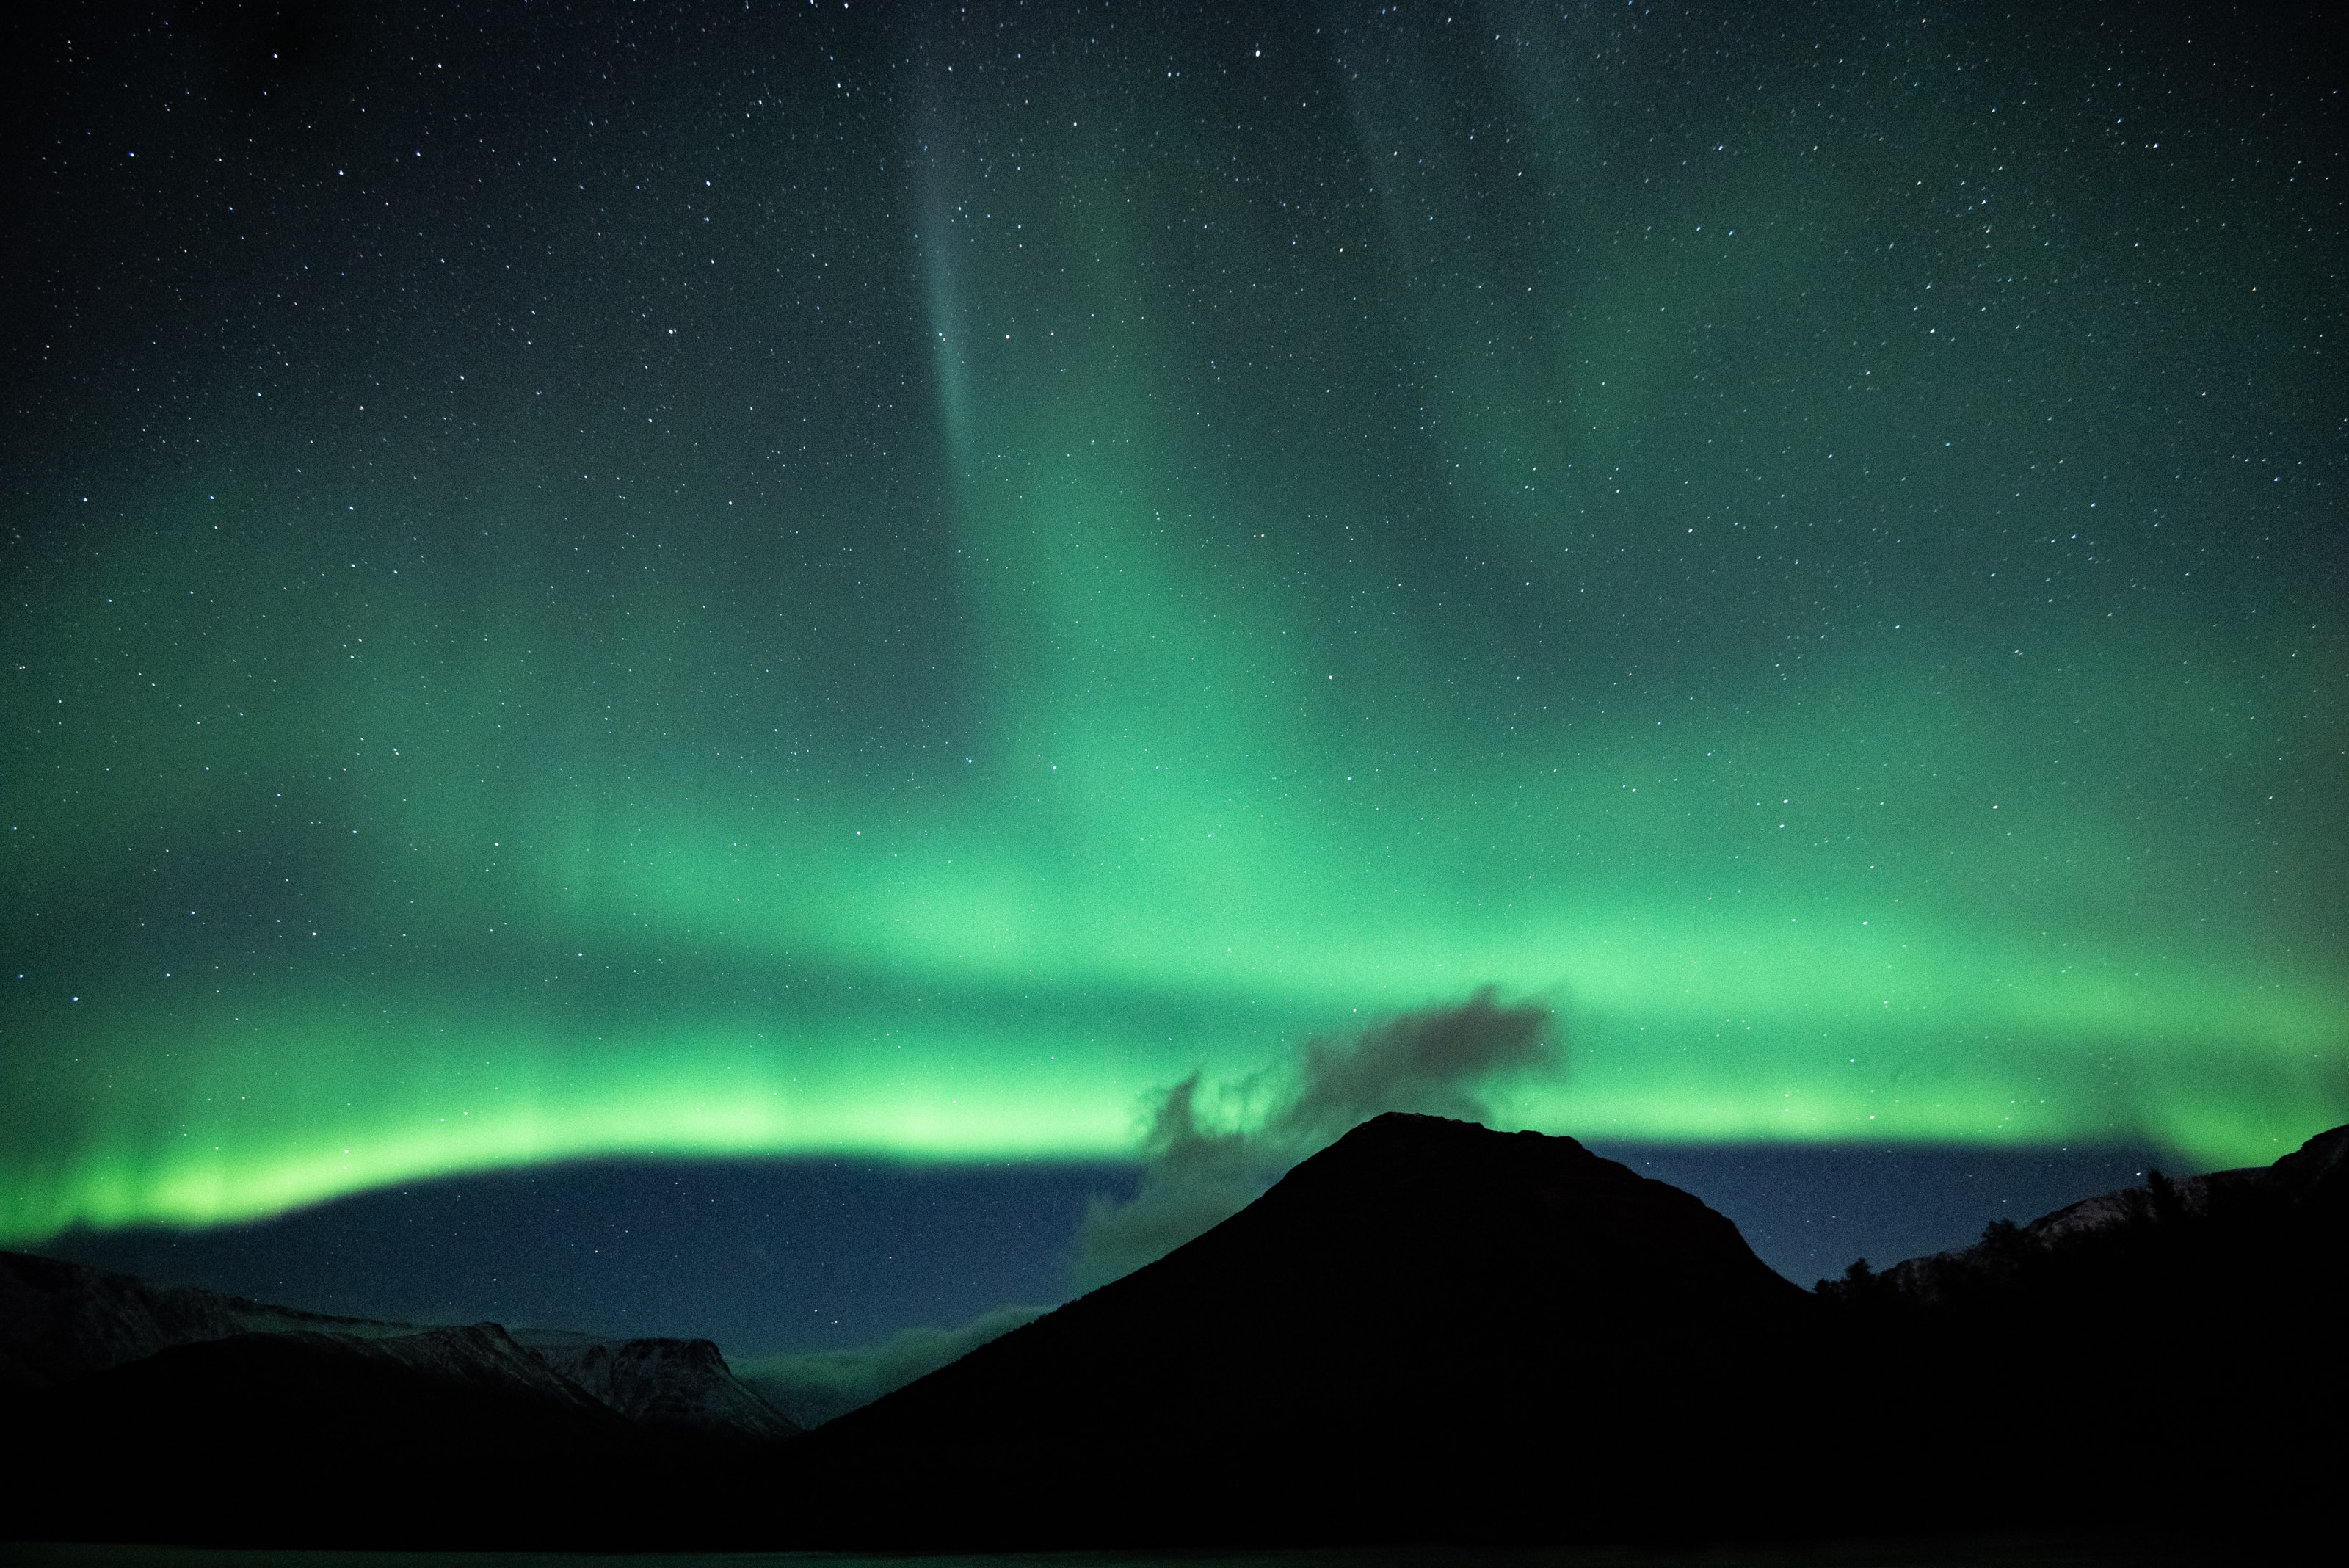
[[60, 1322], [2313, 1177], [666, 1382]]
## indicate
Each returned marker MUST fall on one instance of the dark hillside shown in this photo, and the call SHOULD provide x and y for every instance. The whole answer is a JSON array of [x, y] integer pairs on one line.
[[2169, 1353]]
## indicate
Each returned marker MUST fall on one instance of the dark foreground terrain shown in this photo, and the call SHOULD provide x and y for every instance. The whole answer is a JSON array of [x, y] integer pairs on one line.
[[1428, 1333], [1936, 1551]]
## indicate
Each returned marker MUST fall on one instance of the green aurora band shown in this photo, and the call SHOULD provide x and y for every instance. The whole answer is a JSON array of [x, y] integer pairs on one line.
[[1233, 555]]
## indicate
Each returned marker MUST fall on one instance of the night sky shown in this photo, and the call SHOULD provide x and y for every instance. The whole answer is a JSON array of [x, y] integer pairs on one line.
[[879, 585]]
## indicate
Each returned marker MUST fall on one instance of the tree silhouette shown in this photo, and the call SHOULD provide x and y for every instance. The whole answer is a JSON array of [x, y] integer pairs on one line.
[[1859, 1283]]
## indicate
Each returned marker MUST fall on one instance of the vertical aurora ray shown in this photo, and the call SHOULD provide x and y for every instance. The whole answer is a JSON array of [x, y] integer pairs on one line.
[[1068, 595]]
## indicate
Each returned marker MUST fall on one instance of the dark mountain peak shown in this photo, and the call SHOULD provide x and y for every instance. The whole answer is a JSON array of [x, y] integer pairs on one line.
[[1406, 1148], [1421, 1162], [1424, 1312], [1480, 1205]]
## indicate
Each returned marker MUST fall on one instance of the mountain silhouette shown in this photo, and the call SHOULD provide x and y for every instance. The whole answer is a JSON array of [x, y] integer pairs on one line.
[[1434, 1332], [1428, 1329]]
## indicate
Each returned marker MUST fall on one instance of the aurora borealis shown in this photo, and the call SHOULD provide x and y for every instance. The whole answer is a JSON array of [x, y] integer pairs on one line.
[[650, 580]]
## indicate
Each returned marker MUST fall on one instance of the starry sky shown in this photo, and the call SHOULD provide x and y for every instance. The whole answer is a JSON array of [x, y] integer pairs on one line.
[[882, 584]]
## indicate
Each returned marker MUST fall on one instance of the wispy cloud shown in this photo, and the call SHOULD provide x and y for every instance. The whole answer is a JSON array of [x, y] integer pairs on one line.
[[1206, 1162]]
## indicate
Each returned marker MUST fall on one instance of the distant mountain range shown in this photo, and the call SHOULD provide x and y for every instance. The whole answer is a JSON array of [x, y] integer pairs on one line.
[[2306, 1191], [1427, 1331], [138, 1411], [60, 1322]]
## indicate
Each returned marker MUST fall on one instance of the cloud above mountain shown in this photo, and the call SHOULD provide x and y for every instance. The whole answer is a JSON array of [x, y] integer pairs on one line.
[[1210, 1153]]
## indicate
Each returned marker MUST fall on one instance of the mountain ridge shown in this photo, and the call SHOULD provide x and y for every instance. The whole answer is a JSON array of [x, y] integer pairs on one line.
[[2313, 1178], [61, 1323], [1427, 1331]]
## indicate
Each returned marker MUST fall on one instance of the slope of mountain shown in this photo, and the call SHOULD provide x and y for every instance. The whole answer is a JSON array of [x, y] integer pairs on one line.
[[60, 1320], [1428, 1329], [2307, 1189], [2171, 1353]]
